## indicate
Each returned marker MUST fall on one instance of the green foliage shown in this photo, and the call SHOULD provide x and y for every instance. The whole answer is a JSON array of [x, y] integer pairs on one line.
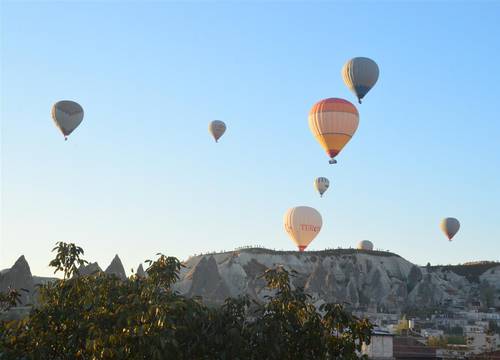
[[472, 271], [67, 259], [164, 271], [10, 299], [424, 312], [338, 251], [456, 340], [494, 327], [487, 295], [444, 342], [437, 341], [102, 317]]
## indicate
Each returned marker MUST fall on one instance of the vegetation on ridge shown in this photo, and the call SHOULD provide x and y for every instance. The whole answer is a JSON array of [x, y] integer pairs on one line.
[[471, 270], [324, 252]]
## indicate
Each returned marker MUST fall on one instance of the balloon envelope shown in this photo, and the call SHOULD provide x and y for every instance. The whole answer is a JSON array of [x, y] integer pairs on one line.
[[67, 115], [333, 122], [217, 128], [360, 74], [302, 223], [450, 227], [365, 245], [321, 184]]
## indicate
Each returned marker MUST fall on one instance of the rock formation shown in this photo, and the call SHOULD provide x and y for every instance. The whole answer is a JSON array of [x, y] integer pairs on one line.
[[140, 271], [364, 279], [89, 269], [207, 282], [19, 277], [116, 268]]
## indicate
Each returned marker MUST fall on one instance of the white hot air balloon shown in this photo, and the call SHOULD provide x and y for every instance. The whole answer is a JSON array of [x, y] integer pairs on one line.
[[321, 184], [67, 115], [303, 224], [365, 245], [217, 128]]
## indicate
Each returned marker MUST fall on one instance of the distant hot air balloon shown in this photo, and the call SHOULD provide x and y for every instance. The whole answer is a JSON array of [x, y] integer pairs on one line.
[[333, 122], [360, 74], [67, 115], [302, 223], [217, 128], [365, 245], [450, 227], [321, 184]]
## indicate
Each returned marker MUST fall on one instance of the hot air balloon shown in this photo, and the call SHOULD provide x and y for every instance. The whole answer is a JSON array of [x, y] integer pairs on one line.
[[365, 245], [67, 115], [217, 128], [450, 227], [321, 184], [333, 122], [302, 223], [360, 74]]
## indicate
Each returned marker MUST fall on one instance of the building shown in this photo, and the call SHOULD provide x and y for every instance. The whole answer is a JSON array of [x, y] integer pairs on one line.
[[482, 342], [431, 332], [380, 347], [409, 348], [454, 352], [495, 355]]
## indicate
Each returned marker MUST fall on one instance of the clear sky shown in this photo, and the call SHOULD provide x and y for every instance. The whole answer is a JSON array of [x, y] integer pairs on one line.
[[141, 174]]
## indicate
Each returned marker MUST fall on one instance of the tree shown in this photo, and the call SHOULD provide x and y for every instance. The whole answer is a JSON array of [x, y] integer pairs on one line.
[[99, 316], [437, 341], [10, 299], [487, 294], [456, 340], [67, 259], [494, 327]]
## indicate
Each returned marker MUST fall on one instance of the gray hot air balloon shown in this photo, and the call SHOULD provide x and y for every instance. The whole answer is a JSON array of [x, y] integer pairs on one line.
[[217, 128], [450, 227], [321, 184], [360, 74], [67, 115]]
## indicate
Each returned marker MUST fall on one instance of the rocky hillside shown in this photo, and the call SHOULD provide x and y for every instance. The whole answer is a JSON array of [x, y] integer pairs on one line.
[[371, 280], [19, 277], [368, 280]]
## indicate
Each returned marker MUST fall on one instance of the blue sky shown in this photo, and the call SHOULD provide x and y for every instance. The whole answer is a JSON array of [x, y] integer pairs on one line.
[[141, 174]]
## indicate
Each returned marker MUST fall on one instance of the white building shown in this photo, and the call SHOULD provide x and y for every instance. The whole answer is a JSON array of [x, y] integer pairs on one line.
[[431, 332], [474, 329], [381, 346], [479, 341]]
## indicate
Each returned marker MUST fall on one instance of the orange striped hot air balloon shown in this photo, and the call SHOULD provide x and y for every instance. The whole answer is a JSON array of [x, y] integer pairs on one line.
[[333, 122]]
